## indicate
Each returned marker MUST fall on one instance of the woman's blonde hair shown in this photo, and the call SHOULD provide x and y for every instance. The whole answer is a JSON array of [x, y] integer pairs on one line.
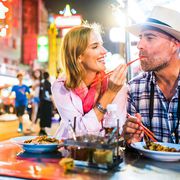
[[73, 45]]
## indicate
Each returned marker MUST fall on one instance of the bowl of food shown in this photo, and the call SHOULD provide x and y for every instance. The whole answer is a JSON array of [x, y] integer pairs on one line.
[[37, 144]]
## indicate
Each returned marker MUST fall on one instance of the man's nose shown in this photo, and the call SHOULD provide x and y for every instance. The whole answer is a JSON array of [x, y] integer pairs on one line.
[[141, 44]]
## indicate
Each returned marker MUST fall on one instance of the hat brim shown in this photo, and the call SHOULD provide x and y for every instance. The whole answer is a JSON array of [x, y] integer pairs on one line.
[[137, 28]]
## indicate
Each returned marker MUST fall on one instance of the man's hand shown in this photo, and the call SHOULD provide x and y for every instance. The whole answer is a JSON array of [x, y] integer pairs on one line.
[[132, 132]]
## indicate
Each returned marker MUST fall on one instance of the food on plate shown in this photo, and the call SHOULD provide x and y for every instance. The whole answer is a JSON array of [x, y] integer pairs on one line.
[[42, 140], [157, 147]]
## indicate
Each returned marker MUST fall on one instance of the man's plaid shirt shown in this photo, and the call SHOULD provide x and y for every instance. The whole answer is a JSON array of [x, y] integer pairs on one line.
[[164, 114]]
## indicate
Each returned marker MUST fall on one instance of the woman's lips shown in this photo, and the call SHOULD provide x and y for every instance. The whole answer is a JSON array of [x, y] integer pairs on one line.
[[101, 60]]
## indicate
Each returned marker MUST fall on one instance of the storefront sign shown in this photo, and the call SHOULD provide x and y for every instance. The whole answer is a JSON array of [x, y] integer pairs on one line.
[[67, 21]]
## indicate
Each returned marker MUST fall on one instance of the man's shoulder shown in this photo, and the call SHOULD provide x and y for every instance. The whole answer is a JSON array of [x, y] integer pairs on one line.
[[141, 78], [140, 83]]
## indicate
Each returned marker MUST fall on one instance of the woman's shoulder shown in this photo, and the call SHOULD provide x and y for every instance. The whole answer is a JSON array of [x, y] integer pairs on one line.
[[59, 86]]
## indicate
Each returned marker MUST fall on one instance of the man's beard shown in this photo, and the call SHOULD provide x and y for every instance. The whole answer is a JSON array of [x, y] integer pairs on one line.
[[148, 67]]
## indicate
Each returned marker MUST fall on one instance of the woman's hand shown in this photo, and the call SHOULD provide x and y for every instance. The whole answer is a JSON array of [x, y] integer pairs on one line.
[[132, 132], [118, 78]]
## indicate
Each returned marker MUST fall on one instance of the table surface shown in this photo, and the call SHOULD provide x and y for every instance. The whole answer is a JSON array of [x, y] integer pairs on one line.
[[134, 166]]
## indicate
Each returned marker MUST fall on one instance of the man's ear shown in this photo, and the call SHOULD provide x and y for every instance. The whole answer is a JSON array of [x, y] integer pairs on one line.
[[175, 44]]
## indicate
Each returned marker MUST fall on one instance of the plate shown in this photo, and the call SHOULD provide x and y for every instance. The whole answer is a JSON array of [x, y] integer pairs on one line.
[[158, 155], [50, 156], [34, 148]]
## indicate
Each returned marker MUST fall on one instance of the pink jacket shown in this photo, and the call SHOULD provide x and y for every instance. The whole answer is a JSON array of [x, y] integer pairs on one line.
[[69, 105]]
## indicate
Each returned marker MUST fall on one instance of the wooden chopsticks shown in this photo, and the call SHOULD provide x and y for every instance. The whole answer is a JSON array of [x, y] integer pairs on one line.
[[147, 132]]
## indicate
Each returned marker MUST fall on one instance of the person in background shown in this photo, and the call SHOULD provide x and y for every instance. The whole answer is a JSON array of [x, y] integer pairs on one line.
[[84, 91], [35, 100], [154, 95], [46, 105], [21, 100], [4, 86], [3, 107]]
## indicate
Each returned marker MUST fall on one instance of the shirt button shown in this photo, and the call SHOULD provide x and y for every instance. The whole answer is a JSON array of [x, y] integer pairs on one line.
[[170, 115]]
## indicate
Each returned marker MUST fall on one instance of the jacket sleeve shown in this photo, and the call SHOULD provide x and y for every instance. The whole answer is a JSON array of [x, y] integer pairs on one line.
[[69, 106]]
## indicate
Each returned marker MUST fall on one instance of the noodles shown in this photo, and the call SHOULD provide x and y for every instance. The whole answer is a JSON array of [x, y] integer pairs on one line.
[[157, 147], [42, 140]]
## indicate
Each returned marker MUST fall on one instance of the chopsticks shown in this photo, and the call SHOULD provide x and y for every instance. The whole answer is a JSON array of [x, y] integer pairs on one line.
[[96, 81], [148, 132], [130, 62]]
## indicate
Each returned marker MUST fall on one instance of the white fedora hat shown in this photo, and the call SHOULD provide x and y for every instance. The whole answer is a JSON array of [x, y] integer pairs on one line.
[[165, 19]]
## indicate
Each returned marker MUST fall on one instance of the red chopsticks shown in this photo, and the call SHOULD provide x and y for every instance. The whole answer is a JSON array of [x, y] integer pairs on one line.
[[148, 132], [96, 81], [130, 62]]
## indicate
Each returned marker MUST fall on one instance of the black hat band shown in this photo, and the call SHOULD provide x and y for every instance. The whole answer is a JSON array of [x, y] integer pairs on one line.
[[157, 22]]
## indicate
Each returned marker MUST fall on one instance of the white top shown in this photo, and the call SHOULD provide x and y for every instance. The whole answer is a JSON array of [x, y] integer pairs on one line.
[[69, 105]]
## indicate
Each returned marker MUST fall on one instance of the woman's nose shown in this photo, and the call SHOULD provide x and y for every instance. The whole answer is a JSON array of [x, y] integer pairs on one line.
[[104, 50]]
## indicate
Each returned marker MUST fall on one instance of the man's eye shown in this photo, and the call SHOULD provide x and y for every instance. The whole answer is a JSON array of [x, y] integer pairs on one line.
[[149, 38]]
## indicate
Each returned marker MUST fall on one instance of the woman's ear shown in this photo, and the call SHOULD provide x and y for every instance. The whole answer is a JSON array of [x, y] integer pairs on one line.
[[79, 59]]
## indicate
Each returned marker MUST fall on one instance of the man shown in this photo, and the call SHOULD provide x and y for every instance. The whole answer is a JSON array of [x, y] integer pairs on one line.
[[154, 95], [46, 105], [21, 91]]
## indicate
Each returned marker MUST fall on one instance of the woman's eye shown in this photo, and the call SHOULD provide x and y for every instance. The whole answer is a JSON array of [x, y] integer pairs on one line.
[[94, 47]]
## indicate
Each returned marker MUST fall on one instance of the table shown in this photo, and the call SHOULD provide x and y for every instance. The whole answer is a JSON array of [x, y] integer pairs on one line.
[[133, 167]]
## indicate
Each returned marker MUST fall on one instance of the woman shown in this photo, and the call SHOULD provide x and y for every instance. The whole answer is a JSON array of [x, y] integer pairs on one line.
[[84, 92], [35, 100]]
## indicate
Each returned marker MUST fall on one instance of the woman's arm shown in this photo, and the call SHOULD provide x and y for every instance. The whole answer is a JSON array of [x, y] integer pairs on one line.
[[69, 105], [116, 82]]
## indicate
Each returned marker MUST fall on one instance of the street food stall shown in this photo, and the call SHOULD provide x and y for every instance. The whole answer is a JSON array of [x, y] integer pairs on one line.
[[22, 157]]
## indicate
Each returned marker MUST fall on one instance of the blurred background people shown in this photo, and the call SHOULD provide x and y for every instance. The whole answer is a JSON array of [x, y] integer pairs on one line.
[[21, 100], [4, 86], [46, 105], [6, 103], [35, 100], [84, 91]]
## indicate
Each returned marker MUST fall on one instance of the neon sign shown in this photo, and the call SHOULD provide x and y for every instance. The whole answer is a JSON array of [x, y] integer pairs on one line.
[[3, 10], [67, 21]]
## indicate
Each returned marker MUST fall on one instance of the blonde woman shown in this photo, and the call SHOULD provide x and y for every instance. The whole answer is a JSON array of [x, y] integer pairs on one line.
[[85, 91]]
